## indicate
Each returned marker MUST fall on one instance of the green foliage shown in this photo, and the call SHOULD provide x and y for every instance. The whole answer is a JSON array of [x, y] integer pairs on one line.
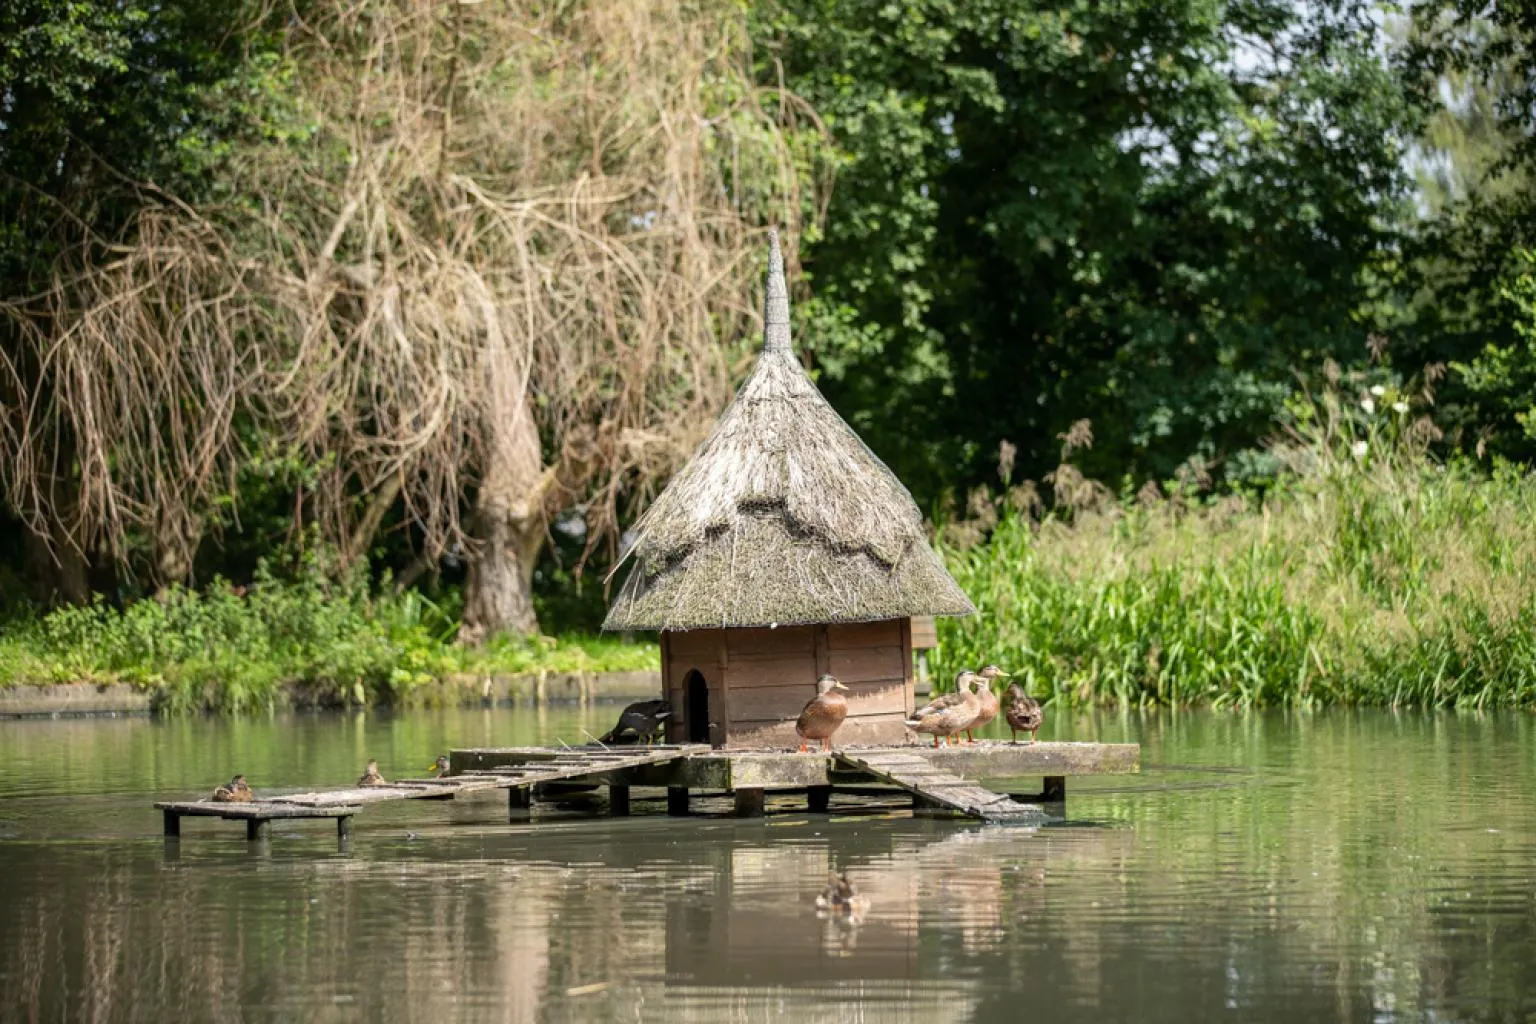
[[1373, 575], [1503, 376], [1141, 213], [316, 635]]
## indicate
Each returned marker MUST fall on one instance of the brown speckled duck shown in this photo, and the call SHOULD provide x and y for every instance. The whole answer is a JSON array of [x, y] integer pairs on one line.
[[372, 776], [988, 699], [1022, 713], [823, 714], [840, 897], [236, 791], [950, 713], [440, 766]]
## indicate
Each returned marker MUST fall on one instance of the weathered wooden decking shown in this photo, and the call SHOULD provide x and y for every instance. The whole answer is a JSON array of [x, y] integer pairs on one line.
[[946, 778], [343, 803]]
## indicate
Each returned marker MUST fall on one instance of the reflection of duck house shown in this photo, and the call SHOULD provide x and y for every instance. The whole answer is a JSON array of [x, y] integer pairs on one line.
[[783, 550]]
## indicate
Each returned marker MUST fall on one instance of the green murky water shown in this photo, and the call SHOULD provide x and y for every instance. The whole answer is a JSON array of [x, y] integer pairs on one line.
[[1333, 867]]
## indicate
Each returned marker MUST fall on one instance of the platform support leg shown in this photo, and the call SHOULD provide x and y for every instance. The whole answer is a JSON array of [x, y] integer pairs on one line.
[[749, 803], [519, 802], [257, 829], [344, 828], [1055, 790], [677, 801], [818, 798], [618, 801], [172, 825]]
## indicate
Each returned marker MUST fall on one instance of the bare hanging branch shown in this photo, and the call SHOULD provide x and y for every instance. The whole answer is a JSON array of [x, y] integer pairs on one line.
[[503, 274]]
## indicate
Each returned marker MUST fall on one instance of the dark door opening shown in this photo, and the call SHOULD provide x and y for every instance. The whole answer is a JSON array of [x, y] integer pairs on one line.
[[696, 692]]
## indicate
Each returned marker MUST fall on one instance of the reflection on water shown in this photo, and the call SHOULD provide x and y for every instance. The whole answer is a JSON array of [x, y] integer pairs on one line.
[[1336, 867]]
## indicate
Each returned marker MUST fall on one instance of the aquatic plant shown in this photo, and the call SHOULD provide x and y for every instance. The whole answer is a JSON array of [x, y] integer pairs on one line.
[[318, 637], [1368, 573]]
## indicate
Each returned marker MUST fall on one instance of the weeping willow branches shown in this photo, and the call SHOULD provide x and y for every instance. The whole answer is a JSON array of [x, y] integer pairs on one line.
[[491, 270]]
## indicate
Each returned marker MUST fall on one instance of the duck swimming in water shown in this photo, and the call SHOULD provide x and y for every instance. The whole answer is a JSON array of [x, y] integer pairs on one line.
[[823, 714], [372, 776], [949, 714], [1022, 713], [645, 719]]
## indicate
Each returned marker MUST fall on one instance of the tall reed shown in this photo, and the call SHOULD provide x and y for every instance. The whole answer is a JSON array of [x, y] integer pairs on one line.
[[1370, 573]]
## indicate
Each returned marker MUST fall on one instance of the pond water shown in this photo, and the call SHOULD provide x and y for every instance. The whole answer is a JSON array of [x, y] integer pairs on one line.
[[1340, 866]]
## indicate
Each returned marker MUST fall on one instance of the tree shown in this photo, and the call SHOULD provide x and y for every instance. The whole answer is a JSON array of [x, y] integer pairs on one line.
[[1472, 69], [485, 267], [105, 111], [1141, 213]]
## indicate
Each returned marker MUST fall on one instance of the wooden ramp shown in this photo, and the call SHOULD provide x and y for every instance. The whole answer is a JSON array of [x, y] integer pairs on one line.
[[920, 777]]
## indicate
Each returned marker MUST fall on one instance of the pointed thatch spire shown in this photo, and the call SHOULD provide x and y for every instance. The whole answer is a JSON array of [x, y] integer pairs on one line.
[[783, 516], [776, 302]]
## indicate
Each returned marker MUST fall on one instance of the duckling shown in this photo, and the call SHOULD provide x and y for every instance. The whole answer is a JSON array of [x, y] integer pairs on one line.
[[236, 791], [1022, 713], [441, 766], [822, 714], [950, 713], [989, 707], [371, 776], [645, 719]]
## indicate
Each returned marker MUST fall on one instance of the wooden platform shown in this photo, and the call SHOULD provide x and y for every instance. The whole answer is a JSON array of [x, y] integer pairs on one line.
[[944, 779]]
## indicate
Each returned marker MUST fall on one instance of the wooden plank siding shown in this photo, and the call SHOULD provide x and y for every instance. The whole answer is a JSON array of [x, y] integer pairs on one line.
[[925, 633], [684, 652], [760, 678]]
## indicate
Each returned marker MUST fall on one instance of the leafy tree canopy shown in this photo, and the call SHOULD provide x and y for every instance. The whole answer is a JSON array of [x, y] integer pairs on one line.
[[1142, 213]]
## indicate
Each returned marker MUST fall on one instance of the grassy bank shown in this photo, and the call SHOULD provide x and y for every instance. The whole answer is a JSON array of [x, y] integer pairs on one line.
[[241, 649], [1368, 574]]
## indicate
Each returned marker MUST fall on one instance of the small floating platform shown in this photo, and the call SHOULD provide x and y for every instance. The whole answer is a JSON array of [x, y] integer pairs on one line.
[[943, 780]]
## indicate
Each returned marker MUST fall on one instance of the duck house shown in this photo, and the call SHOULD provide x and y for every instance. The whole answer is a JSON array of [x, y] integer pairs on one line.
[[783, 550]]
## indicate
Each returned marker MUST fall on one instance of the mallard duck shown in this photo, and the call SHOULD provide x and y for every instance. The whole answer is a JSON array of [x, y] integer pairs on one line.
[[987, 698], [840, 897], [823, 714], [236, 791], [645, 719], [371, 776], [440, 766], [949, 714], [1022, 713]]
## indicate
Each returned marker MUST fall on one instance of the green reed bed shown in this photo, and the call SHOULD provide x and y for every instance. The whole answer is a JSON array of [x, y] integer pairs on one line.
[[311, 638], [1371, 574]]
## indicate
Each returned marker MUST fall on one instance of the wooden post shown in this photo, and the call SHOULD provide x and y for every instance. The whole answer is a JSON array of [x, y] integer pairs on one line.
[[172, 824], [519, 801], [677, 801], [256, 829], [1055, 789], [618, 801], [749, 803], [818, 798], [344, 828]]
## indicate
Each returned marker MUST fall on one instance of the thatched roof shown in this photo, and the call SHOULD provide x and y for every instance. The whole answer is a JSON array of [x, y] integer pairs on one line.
[[783, 516]]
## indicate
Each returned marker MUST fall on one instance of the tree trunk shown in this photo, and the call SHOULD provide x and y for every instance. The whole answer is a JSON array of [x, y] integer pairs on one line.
[[498, 593], [508, 530]]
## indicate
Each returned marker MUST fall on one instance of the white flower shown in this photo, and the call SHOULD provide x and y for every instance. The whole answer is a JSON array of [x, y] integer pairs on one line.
[[1368, 405], [1359, 448], [1378, 390], [1399, 407]]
